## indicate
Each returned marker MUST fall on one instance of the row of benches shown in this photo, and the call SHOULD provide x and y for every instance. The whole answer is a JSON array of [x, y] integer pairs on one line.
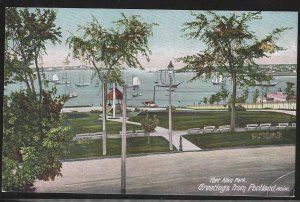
[[89, 136], [263, 126], [94, 136], [224, 128]]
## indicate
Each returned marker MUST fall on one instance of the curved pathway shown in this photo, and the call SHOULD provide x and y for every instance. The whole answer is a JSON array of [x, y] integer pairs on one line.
[[163, 132]]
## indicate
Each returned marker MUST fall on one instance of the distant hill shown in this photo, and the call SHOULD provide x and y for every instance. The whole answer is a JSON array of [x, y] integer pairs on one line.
[[273, 66]]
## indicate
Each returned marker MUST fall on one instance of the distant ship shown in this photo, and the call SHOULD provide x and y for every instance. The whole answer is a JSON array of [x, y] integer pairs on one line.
[[266, 84], [150, 103], [217, 80], [164, 81], [81, 82], [73, 95], [54, 79], [136, 87]]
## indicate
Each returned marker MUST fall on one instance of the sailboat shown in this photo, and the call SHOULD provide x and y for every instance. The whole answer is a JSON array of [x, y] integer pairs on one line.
[[217, 80], [64, 80], [81, 82], [55, 78], [136, 85], [70, 93], [163, 79]]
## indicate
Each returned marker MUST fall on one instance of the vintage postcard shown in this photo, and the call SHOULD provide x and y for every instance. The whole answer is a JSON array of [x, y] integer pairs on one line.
[[150, 102]]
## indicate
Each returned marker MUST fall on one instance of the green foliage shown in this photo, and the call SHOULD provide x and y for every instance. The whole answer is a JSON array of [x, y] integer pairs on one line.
[[231, 49], [243, 97], [289, 90], [149, 123], [33, 139], [26, 36], [255, 95], [111, 49]]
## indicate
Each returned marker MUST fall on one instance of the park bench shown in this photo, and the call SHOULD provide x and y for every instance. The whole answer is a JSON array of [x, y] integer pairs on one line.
[[265, 126], [133, 133], [282, 125], [224, 128], [294, 125], [194, 130], [89, 136], [209, 128], [251, 126]]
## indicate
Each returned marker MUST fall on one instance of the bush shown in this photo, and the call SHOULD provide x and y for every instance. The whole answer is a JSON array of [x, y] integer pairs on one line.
[[237, 108], [136, 109]]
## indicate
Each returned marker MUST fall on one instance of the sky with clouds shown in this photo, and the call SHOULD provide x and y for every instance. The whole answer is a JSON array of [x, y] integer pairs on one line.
[[167, 42]]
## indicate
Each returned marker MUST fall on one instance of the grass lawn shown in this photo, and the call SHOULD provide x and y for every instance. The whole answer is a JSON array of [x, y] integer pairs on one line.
[[88, 122], [240, 139], [183, 120], [136, 145]]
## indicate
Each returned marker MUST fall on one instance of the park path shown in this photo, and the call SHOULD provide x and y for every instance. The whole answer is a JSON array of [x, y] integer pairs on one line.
[[163, 132]]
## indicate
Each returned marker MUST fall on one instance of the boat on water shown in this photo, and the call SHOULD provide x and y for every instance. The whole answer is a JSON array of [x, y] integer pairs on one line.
[[217, 80], [81, 82], [73, 95], [162, 84], [266, 83], [150, 103], [64, 80], [54, 79], [136, 87], [164, 77]]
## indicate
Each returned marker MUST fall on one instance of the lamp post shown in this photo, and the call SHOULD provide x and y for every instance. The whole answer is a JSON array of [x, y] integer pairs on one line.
[[123, 159], [124, 131], [170, 72], [114, 100]]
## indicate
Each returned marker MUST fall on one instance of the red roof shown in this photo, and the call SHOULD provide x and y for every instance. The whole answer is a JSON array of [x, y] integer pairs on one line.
[[119, 95]]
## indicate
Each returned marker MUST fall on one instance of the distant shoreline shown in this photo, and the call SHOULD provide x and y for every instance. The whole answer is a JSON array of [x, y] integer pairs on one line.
[[48, 69]]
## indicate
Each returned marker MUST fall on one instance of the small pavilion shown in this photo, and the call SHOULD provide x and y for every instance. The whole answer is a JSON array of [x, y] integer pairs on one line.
[[119, 96]]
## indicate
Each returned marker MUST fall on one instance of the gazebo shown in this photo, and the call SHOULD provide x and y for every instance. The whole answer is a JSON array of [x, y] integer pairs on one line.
[[119, 96]]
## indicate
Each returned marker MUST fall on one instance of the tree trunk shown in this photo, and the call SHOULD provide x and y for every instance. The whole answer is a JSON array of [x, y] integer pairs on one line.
[[38, 75], [232, 122], [32, 84], [148, 134], [104, 93]]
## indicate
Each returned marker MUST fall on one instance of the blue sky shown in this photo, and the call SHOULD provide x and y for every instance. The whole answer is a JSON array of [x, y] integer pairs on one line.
[[167, 42]]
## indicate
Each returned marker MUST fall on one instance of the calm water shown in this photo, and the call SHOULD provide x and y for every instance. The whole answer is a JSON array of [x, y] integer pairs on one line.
[[188, 93]]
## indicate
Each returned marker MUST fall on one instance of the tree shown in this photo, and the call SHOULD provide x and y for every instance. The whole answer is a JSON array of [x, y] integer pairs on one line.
[[34, 137], [149, 124], [109, 50], [205, 100], [231, 49], [27, 34], [289, 92], [255, 96]]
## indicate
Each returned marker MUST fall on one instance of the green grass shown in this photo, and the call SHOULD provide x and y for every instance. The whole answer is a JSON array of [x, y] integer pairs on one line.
[[89, 122], [136, 145], [240, 139], [183, 120]]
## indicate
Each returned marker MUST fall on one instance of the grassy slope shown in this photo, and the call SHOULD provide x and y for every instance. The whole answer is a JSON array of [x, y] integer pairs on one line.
[[89, 123], [135, 145], [240, 139], [183, 120]]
